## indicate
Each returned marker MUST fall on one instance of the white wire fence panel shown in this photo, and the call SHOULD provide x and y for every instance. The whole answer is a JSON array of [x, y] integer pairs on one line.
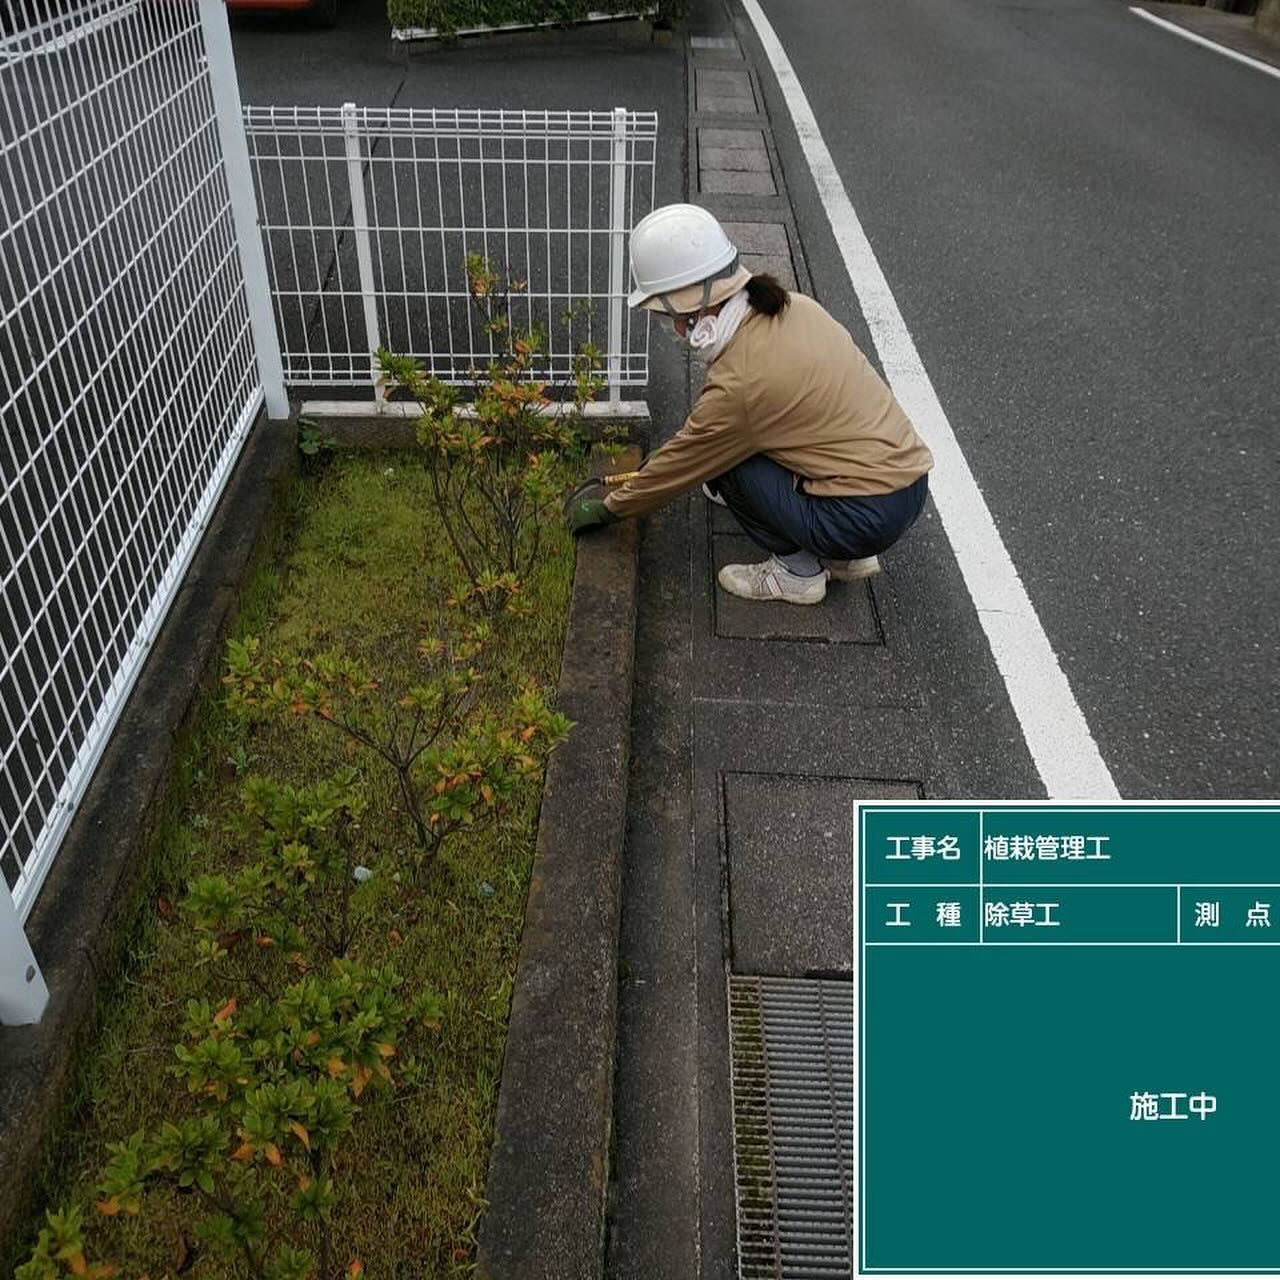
[[128, 378], [384, 207]]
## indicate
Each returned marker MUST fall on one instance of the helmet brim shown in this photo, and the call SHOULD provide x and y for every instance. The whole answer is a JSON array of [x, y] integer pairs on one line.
[[687, 300]]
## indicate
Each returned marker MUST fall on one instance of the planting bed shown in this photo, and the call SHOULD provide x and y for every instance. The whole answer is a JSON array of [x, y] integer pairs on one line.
[[365, 571]]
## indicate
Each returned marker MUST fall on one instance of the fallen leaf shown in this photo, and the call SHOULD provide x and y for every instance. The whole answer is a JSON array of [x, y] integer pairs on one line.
[[226, 1011], [272, 1152], [108, 1207], [182, 1254], [302, 1135]]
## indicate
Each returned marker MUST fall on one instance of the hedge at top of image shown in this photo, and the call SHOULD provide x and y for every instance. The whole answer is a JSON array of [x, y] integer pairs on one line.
[[449, 16]]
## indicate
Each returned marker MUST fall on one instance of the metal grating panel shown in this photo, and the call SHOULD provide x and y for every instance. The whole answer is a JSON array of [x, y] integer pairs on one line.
[[791, 1043]]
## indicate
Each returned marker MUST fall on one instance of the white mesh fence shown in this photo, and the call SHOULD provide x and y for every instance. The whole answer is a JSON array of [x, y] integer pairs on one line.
[[369, 215], [128, 376]]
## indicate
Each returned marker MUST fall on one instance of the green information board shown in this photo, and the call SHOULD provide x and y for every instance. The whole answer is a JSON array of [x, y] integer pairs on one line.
[[1068, 1038]]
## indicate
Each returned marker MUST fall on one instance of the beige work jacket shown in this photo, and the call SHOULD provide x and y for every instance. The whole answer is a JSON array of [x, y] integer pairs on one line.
[[794, 386]]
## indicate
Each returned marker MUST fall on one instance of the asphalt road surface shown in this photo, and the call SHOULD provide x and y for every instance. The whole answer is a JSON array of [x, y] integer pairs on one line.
[[1077, 215]]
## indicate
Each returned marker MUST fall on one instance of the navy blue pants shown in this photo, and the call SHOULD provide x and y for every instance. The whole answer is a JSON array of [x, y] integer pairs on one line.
[[782, 518]]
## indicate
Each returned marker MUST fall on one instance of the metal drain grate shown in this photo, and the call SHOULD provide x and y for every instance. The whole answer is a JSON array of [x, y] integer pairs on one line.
[[791, 1042]]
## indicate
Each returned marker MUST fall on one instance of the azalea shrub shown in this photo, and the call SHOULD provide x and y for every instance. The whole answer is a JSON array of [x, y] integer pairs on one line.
[[500, 460], [458, 765], [274, 1068], [276, 1083]]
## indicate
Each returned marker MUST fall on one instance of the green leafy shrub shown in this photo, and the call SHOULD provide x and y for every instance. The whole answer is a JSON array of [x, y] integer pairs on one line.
[[314, 441], [499, 464], [276, 1084], [60, 1251], [457, 766], [297, 894]]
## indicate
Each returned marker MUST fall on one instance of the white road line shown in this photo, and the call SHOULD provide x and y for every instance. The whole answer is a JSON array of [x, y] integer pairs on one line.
[[1264, 67], [1055, 729]]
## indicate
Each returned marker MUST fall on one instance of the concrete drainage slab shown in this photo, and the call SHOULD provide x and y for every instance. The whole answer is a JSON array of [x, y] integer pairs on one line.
[[724, 92], [789, 857], [848, 616], [791, 1048]]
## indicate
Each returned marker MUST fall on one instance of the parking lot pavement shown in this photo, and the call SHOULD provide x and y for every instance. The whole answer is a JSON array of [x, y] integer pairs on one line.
[[281, 61]]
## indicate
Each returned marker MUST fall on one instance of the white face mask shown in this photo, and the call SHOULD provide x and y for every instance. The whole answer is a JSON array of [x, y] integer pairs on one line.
[[708, 335], [712, 334]]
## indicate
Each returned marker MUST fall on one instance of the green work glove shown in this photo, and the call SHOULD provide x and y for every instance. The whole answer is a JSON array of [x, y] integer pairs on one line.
[[585, 508]]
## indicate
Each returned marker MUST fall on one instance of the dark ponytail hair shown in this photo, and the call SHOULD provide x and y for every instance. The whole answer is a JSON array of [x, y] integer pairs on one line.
[[767, 295]]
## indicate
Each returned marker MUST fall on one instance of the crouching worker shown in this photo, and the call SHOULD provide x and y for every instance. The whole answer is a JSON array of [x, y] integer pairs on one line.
[[794, 431]]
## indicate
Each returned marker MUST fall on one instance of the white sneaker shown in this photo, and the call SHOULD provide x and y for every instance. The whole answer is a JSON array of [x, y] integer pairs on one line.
[[772, 580], [852, 570], [713, 497]]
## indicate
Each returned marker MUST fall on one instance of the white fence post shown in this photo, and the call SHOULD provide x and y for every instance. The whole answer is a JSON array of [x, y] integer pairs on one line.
[[360, 224], [244, 204], [23, 994], [617, 234]]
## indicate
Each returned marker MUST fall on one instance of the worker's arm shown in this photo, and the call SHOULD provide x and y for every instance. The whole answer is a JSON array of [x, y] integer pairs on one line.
[[715, 437]]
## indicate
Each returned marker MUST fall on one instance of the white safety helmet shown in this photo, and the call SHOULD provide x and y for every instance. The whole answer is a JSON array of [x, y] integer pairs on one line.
[[682, 261]]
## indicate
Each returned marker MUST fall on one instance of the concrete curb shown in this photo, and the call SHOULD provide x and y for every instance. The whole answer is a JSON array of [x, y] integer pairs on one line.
[[84, 914], [549, 1168]]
